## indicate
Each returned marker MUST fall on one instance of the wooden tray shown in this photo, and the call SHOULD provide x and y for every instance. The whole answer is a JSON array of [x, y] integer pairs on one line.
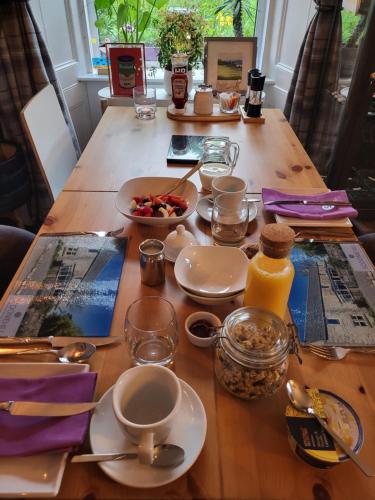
[[249, 119], [190, 116]]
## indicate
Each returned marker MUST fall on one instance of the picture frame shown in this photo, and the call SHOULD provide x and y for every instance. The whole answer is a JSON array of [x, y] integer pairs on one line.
[[227, 61], [126, 67]]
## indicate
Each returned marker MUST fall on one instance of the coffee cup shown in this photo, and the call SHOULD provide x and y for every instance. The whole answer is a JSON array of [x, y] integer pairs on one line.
[[146, 400], [231, 185]]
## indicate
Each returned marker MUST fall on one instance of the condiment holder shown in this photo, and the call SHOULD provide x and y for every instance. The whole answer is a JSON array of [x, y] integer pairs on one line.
[[176, 241], [207, 327]]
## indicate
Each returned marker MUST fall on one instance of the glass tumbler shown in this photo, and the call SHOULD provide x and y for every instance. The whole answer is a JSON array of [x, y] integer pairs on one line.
[[151, 331], [144, 103], [229, 220]]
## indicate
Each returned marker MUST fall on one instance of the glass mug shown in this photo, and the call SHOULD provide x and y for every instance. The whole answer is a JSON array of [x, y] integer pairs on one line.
[[219, 158]]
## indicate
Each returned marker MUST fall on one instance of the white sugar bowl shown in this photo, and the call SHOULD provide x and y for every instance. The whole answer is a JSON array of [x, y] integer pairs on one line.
[[176, 241]]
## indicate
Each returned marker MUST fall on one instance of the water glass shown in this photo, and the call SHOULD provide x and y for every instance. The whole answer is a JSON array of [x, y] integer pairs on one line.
[[144, 103], [151, 331], [229, 219]]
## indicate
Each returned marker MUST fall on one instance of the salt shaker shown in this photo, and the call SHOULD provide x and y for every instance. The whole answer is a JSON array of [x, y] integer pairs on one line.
[[152, 262]]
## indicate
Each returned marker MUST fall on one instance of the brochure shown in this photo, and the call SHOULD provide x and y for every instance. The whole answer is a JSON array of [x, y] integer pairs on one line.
[[332, 300], [68, 287]]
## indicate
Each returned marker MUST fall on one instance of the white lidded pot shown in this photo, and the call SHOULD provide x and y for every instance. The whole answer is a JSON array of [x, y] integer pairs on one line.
[[176, 241]]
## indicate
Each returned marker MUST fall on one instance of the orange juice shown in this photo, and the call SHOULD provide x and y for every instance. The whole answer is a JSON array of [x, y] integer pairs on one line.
[[270, 272]]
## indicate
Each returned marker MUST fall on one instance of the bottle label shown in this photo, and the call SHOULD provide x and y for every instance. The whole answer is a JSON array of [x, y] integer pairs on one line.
[[180, 70], [179, 86]]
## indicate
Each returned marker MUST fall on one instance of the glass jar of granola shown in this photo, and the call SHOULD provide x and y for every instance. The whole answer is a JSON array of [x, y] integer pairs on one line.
[[251, 358]]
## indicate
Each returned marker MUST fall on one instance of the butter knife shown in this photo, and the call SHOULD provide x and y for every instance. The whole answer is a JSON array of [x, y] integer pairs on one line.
[[36, 409], [56, 342], [309, 202]]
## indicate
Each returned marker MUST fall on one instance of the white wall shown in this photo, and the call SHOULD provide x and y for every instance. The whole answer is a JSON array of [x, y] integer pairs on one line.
[[60, 23]]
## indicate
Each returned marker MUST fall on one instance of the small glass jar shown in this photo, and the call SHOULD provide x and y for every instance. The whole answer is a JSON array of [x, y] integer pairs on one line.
[[251, 358]]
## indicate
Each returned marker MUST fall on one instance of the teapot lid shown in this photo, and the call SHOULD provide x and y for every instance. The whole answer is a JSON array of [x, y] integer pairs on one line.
[[177, 240]]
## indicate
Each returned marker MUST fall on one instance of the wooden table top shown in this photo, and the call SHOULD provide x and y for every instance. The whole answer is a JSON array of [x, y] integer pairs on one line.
[[246, 452], [123, 147]]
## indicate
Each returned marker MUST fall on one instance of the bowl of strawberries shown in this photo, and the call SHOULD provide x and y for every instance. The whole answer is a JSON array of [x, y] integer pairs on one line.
[[143, 200]]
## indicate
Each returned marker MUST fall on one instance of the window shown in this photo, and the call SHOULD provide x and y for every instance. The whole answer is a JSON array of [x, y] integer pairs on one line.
[[359, 320], [221, 18], [333, 321]]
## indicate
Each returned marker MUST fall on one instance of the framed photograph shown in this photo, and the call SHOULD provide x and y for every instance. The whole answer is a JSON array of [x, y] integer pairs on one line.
[[227, 62], [126, 67]]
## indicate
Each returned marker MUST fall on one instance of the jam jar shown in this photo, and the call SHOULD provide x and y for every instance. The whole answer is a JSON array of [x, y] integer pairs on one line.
[[251, 358]]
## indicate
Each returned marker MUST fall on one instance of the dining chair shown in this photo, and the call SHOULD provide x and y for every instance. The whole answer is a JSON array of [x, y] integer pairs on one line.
[[50, 139], [14, 243]]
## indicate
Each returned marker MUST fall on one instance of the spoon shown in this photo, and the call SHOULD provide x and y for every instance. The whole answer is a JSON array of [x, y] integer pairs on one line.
[[165, 455], [301, 400], [71, 353], [249, 200]]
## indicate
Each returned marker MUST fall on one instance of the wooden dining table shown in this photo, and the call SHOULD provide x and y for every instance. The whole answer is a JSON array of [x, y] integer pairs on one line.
[[246, 454]]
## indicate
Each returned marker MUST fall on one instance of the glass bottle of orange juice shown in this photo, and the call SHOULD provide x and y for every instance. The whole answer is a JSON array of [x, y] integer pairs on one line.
[[270, 273]]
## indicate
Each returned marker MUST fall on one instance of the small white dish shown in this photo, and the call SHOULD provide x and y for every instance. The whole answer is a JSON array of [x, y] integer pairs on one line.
[[205, 206], [176, 241], [210, 301], [211, 271], [198, 316], [144, 186], [37, 476], [188, 431]]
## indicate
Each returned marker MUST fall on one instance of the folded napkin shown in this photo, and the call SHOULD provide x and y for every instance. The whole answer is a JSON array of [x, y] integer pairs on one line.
[[20, 436], [308, 211]]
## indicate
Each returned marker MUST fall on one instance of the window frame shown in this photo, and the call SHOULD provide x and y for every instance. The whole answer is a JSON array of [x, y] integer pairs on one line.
[[88, 25]]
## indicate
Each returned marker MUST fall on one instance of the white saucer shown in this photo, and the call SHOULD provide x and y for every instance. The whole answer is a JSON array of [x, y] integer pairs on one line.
[[204, 208], [189, 432]]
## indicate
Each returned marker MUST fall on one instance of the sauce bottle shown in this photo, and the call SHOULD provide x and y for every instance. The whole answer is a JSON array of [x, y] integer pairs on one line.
[[270, 273], [179, 82]]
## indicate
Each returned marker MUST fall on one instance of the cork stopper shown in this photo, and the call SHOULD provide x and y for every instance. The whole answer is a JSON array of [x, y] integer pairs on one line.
[[277, 240]]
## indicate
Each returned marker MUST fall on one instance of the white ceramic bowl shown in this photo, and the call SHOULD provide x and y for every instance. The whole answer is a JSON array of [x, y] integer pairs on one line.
[[143, 186], [197, 316], [210, 301], [211, 271]]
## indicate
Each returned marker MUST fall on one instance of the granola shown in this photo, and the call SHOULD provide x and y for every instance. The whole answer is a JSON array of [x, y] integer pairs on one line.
[[244, 381]]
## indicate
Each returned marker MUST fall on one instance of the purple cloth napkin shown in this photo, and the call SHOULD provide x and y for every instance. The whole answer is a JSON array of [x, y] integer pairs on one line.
[[20, 436], [308, 211]]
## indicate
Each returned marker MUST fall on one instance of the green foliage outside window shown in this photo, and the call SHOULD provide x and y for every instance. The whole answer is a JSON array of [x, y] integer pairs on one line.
[[117, 19]]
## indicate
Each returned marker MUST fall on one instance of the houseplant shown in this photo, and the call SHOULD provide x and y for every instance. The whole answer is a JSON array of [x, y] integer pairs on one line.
[[179, 30]]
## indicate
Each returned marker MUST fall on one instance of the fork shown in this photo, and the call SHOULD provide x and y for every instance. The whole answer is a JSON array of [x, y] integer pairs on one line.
[[336, 353]]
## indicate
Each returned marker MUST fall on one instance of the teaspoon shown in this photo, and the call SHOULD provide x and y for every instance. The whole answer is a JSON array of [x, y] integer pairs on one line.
[[165, 455], [71, 353], [301, 400]]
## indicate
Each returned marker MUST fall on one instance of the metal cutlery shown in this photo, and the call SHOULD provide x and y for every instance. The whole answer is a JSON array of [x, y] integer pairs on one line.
[[331, 203], [37, 409], [115, 233], [333, 353], [72, 353], [249, 200], [164, 455], [301, 400], [55, 342]]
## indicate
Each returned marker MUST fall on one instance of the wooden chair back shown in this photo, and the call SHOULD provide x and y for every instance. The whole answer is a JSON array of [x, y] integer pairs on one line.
[[50, 138]]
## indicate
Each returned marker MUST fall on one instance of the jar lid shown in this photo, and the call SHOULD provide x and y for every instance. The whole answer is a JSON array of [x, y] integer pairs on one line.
[[176, 241], [277, 240], [255, 338]]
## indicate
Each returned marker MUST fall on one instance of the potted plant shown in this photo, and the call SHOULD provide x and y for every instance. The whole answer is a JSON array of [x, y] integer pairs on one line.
[[179, 30]]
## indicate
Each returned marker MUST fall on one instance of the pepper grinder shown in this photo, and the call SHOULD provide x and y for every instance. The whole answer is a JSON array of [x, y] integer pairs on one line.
[[255, 93], [250, 73]]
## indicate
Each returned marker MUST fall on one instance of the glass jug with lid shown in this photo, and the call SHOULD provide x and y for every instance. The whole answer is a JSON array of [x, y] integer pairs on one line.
[[219, 158]]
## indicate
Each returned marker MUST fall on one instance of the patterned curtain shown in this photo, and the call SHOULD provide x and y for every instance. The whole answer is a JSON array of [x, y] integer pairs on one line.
[[25, 68], [310, 107]]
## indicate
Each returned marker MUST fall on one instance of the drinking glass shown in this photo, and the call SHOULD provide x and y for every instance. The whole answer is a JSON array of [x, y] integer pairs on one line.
[[229, 219], [151, 331], [144, 102]]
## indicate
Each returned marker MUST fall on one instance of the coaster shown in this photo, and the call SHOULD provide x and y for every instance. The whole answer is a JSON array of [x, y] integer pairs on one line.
[[249, 119]]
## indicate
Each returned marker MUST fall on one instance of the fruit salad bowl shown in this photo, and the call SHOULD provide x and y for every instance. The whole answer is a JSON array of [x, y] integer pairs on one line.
[[156, 212]]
